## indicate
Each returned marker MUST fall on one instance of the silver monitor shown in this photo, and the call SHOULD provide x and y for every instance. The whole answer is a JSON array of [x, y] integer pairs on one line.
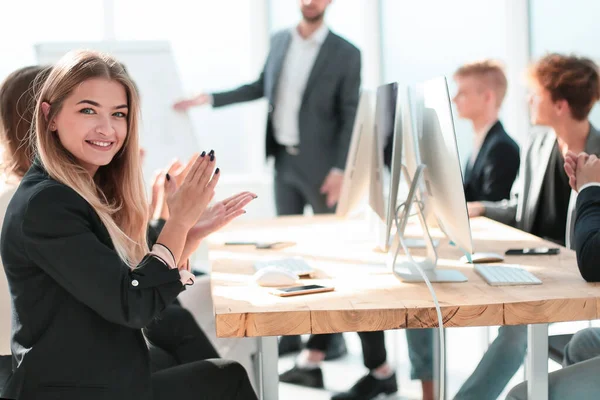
[[393, 158], [436, 184], [385, 125], [405, 157], [357, 172]]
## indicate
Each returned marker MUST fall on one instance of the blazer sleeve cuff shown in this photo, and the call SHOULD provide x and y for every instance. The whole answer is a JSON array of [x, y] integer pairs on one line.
[[152, 272], [217, 100], [498, 211], [588, 185], [591, 193]]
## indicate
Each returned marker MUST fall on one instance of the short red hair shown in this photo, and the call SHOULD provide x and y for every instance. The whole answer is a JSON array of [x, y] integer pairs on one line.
[[570, 78]]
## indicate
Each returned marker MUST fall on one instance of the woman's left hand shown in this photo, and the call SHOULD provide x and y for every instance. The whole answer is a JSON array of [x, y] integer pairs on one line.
[[214, 218], [220, 214]]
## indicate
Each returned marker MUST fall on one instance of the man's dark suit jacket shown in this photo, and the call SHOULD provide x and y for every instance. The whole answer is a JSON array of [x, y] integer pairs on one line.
[[493, 173], [78, 309], [328, 108], [587, 234]]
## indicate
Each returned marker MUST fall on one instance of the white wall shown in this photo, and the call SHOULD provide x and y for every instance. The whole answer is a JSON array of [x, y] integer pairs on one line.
[[26, 22]]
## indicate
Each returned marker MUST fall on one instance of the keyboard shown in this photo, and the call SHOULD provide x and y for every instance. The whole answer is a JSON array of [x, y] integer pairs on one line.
[[505, 275], [297, 265]]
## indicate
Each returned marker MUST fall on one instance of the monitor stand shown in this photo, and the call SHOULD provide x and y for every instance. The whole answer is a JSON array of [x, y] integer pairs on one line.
[[406, 270]]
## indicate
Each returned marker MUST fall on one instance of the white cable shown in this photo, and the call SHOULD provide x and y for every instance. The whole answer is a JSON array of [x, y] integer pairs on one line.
[[435, 301]]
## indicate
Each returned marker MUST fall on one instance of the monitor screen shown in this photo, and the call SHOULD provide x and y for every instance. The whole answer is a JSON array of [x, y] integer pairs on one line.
[[383, 133], [385, 117]]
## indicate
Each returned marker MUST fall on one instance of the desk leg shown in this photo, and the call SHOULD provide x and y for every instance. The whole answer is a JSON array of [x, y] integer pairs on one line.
[[537, 362], [268, 374]]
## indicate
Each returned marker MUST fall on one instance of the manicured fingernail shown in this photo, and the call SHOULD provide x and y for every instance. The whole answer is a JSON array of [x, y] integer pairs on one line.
[[217, 171], [212, 158], [203, 154], [256, 197], [168, 177], [244, 211], [210, 153]]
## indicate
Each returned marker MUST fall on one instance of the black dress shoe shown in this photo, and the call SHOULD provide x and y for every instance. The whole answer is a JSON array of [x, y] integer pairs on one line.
[[337, 347], [290, 344], [304, 377], [369, 387]]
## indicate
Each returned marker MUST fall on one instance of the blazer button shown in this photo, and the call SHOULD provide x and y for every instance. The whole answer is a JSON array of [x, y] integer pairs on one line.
[[134, 282]]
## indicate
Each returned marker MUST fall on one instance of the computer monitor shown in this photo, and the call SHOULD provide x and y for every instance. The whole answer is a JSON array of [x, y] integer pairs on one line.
[[385, 125], [439, 169], [357, 171], [404, 157]]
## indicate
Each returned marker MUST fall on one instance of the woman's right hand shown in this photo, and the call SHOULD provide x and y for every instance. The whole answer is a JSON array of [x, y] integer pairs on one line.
[[188, 201]]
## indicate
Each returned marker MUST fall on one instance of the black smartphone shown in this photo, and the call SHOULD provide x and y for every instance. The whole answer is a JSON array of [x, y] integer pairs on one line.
[[535, 251]]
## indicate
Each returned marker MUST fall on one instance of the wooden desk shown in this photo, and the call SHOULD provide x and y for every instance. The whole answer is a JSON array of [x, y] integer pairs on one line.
[[368, 297]]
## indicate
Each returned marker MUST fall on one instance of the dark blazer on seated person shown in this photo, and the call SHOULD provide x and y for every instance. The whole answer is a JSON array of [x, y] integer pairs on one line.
[[80, 309], [587, 233], [493, 173], [520, 210]]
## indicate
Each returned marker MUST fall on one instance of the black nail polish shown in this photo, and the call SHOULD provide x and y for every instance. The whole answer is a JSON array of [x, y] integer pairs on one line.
[[217, 171], [168, 177], [212, 158], [203, 154], [256, 197], [212, 152]]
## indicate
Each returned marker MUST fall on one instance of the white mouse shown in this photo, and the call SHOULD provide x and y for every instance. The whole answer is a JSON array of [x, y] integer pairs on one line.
[[274, 276], [479, 258]]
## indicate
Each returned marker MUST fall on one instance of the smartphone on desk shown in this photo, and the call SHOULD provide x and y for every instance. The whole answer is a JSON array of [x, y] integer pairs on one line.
[[262, 245], [535, 251], [299, 290]]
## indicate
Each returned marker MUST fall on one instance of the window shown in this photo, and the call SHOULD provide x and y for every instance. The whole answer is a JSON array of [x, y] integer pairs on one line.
[[28, 22], [425, 39]]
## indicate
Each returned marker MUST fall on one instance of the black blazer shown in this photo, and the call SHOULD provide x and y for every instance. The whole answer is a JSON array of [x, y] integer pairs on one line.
[[78, 310], [492, 175], [587, 234]]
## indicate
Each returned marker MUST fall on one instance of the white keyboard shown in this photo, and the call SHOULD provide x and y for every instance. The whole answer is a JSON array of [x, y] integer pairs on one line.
[[297, 265], [505, 275]]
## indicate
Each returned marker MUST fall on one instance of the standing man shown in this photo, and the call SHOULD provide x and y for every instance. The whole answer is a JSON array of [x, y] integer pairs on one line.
[[492, 168], [311, 79]]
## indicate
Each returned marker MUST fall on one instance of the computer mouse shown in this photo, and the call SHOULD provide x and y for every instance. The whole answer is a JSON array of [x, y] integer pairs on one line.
[[273, 277], [480, 258]]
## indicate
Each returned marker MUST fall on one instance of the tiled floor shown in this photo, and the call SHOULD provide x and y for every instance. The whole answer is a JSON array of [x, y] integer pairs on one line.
[[465, 348]]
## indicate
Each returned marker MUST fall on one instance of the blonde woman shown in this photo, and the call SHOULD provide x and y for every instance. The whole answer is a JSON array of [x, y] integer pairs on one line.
[[83, 280]]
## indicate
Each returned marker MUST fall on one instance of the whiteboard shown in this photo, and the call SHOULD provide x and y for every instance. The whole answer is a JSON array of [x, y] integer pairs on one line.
[[165, 134]]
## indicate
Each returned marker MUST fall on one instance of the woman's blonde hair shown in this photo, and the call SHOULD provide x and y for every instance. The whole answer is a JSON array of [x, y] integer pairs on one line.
[[116, 191]]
